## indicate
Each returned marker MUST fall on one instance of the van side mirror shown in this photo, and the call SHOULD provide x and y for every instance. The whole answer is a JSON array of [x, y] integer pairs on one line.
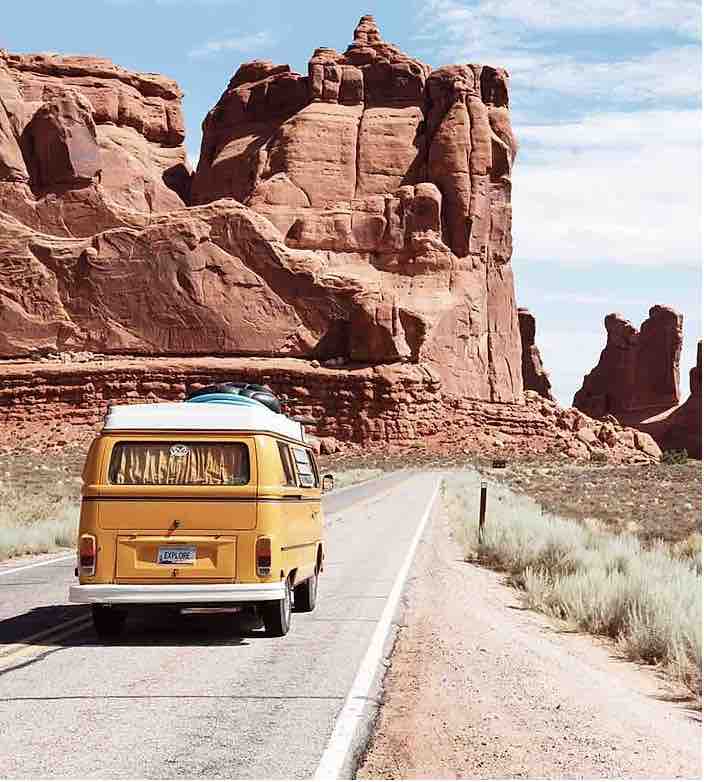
[[328, 482]]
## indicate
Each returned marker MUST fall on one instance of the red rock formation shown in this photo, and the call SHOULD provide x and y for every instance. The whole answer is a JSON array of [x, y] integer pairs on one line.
[[638, 371], [85, 144], [395, 177], [535, 378], [360, 213], [53, 402], [681, 427]]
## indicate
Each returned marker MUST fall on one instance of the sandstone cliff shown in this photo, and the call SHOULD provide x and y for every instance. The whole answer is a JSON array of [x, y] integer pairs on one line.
[[360, 212], [84, 142]]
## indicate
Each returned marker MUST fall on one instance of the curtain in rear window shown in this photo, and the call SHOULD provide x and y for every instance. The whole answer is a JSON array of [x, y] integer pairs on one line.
[[179, 464]]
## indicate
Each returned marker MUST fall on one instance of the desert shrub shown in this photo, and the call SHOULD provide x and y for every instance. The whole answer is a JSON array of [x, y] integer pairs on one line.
[[648, 600], [674, 457], [35, 524], [690, 549]]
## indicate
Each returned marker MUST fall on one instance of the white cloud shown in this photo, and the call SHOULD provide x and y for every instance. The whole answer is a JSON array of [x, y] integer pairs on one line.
[[514, 18], [679, 16], [509, 35], [666, 74], [618, 188], [241, 43]]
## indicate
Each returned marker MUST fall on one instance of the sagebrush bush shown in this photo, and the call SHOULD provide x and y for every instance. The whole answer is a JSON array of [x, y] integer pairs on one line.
[[647, 599], [35, 524]]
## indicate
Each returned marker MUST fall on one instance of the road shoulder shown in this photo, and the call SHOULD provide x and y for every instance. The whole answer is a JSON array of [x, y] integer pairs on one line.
[[480, 688]]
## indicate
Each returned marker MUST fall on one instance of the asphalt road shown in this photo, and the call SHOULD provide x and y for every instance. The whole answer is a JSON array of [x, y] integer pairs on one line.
[[208, 695]]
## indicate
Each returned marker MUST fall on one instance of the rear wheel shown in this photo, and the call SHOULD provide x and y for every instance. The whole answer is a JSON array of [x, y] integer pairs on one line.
[[306, 594], [108, 622], [277, 615]]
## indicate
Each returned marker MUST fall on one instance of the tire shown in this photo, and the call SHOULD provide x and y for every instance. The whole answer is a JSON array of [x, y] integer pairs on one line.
[[108, 622], [277, 615], [305, 595]]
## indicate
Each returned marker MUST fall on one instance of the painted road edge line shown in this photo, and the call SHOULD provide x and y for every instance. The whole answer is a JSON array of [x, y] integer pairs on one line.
[[37, 564], [333, 759]]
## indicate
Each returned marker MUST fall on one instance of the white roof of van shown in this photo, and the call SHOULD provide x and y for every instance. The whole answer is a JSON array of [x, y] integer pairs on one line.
[[185, 416]]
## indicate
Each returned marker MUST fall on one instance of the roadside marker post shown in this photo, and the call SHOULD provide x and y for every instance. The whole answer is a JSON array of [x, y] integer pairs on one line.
[[482, 511]]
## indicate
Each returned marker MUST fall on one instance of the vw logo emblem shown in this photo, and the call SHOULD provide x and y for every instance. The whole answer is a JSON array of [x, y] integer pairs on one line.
[[179, 451]]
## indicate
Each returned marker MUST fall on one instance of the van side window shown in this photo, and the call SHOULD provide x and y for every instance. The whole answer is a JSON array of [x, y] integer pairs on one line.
[[306, 473], [287, 464], [316, 469]]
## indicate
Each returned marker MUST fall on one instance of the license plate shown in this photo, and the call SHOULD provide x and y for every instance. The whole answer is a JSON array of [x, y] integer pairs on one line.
[[182, 555]]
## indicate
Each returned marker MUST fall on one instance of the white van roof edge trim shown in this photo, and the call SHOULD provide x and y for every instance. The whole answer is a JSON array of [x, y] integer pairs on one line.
[[180, 416]]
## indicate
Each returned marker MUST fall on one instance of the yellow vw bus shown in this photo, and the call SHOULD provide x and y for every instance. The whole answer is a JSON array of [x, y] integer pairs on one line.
[[212, 502]]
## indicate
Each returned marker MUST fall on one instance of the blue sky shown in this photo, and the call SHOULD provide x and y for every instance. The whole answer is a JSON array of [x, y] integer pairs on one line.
[[605, 103]]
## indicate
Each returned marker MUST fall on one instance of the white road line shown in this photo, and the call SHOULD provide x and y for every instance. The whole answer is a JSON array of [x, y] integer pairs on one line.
[[37, 564], [332, 762]]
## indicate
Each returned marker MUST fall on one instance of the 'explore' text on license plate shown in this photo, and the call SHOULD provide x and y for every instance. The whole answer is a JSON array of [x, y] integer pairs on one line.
[[182, 555]]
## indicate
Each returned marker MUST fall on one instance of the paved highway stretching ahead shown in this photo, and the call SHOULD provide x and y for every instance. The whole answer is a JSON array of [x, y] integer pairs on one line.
[[209, 696]]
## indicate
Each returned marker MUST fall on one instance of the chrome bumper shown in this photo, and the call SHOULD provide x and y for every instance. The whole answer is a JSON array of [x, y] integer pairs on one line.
[[175, 593]]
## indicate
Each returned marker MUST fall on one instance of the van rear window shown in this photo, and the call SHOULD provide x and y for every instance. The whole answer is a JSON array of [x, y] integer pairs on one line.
[[179, 464]]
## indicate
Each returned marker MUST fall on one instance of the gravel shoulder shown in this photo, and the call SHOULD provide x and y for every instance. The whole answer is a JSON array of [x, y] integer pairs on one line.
[[480, 688]]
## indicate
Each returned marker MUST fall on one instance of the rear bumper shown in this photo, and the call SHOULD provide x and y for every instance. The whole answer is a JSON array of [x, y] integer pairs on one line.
[[175, 593]]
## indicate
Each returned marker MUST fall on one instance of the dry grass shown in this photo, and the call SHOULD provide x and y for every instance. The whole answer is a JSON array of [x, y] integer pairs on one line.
[[35, 524], [646, 597], [652, 501], [39, 502]]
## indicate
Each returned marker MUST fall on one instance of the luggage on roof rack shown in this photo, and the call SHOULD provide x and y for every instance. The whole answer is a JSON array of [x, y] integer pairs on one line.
[[259, 393]]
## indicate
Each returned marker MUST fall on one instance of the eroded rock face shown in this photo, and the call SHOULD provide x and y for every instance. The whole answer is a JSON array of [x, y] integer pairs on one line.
[[359, 213], [83, 141], [638, 371], [397, 176], [683, 426], [384, 408], [535, 378]]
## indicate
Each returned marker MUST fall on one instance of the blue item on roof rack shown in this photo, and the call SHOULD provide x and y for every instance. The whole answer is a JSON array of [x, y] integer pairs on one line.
[[227, 399]]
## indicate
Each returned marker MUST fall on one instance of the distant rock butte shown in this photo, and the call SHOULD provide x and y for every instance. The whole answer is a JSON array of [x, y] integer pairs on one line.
[[638, 371], [681, 427], [535, 377], [637, 381]]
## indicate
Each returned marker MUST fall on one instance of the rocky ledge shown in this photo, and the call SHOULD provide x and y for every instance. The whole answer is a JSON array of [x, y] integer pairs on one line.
[[56, 402]]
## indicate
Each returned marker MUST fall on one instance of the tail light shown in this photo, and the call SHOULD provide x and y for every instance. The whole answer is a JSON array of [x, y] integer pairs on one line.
[[263, 556], [87, 554]]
